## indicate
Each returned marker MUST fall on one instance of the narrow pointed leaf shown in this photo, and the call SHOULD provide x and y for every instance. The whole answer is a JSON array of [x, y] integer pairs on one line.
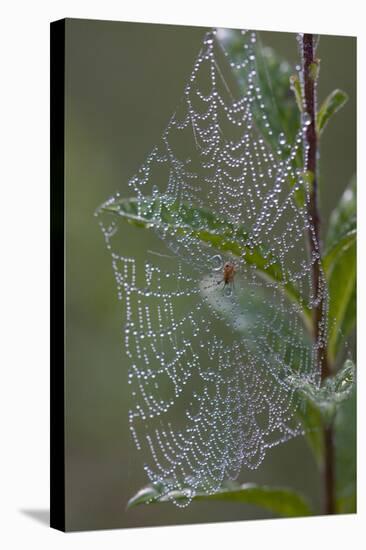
[[342, 302], [329, 107], [335, 252], [339, 264], [343, 217], [146, 495], [296, 88], [280, 501]]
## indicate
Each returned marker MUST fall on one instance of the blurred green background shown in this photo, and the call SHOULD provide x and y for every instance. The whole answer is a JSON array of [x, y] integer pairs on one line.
[[123, 81]]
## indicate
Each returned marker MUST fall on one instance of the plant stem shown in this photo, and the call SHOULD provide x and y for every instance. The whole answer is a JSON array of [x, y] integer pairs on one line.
[[319, 309]]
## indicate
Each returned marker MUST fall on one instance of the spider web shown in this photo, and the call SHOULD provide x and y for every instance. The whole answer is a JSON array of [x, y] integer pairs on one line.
[[209, 362]]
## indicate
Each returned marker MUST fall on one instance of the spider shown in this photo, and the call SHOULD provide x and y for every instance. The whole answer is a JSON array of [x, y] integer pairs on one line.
[[228, 275]]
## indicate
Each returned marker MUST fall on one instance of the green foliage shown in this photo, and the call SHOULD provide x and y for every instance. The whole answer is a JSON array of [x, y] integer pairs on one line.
[[296, 88], [332, 254], [345, 441], [319, 406], [327, 398], [274, 75], [280, 104], [314, 70], [280, 501], [340, 268], [311, 418], [343, 217], [329, 107]]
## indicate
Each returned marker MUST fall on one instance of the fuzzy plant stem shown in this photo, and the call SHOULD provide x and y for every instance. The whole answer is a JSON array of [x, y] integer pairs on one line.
[[309, 69]]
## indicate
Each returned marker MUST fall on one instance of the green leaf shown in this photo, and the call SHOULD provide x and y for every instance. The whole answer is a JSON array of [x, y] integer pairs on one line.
[[342, 298], [329, 107], [296, 88], [312, 422], [349, 319], [318, 406], [334, 253], [146, 495], [345, 441], [314, 69], [181, 219], [327, 397], [281, 501], [273, 73], [339, 262], [343, 217]]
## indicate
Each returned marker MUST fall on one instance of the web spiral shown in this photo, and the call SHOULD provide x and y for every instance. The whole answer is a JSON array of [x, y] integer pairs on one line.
[[212, 334]]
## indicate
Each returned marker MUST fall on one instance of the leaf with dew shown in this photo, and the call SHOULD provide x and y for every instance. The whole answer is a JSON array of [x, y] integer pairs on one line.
[[339, 264], [327, 397], [278, 500], [331, 105], [207, 227]]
